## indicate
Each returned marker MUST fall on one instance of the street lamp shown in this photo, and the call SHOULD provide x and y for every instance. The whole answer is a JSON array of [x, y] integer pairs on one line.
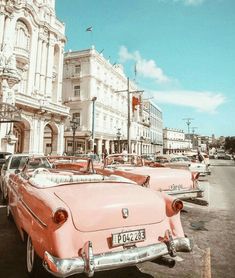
[[74, 126], [93, 122], [141, 144], [118, 138]]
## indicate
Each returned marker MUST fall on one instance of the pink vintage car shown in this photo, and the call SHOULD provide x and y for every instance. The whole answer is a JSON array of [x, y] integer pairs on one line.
[[83, 222], [180, 183]]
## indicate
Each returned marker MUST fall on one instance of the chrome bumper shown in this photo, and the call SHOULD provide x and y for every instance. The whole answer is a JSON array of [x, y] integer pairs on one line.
[[90, 263], [186, 194]]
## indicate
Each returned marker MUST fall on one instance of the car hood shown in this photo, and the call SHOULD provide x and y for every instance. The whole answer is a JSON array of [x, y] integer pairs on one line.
[[98, 206], [164, 178]]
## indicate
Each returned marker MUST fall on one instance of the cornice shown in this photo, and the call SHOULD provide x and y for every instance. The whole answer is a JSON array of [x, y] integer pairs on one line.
[[30, 10]]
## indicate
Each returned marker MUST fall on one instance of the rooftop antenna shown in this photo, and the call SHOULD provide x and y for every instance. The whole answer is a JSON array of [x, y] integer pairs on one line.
[[188, 122]]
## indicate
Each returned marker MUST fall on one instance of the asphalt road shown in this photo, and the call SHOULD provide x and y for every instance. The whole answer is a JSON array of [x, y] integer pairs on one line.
[[212, 229]]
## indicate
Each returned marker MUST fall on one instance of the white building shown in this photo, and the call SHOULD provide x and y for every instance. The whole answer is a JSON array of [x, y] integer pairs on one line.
[[174, 141], [31, 64], [96, 92], [152, 120]]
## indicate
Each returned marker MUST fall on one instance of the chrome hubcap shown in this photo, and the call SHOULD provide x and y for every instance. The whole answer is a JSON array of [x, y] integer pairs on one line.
[[30, 255]]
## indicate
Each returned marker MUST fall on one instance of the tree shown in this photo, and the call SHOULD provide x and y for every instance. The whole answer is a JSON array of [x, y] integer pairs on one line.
[[230, 144]]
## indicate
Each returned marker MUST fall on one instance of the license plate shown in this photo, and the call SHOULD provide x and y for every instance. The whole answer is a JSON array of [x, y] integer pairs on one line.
[[128, 237]]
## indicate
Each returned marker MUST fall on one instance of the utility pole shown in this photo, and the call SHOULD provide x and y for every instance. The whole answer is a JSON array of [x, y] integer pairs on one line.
[[188, 122], [129, 111], [128, 116], [194, 140]]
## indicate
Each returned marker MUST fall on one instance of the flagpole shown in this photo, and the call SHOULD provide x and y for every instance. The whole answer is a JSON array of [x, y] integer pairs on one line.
[[90, 29]]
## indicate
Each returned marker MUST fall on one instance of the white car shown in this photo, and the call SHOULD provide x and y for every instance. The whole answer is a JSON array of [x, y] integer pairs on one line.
[[183, 161], [13, 162]]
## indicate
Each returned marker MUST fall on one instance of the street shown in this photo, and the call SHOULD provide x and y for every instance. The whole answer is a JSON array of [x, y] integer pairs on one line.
[[212, 229]]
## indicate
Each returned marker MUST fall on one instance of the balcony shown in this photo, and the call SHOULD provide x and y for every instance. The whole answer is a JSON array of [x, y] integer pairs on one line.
[[22, 54]]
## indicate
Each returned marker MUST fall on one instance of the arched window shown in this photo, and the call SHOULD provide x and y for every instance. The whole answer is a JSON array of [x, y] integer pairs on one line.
[[22, 35]]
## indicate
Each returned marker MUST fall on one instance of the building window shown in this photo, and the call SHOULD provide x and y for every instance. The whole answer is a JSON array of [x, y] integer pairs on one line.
[[77, 91], [77, 118], [77, 69]]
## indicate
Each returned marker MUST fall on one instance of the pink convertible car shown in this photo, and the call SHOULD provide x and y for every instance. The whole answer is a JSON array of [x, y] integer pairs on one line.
[[83, 222], [180, 183]]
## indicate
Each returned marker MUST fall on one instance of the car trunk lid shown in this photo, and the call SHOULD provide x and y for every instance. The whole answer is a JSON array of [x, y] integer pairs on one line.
[[99, 206]]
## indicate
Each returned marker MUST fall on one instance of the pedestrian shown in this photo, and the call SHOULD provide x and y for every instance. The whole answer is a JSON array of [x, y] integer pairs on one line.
[[200, 157], [124, 151], [105, 153]]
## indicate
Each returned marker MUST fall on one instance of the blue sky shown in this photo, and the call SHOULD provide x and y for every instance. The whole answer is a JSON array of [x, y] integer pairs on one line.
[[184, 51]]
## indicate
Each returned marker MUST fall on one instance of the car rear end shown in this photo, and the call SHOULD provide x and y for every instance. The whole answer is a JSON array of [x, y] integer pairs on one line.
[[113, 225]]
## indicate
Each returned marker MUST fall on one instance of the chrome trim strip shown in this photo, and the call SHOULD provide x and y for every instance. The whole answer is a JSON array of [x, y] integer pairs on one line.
[[196, 193], [90, 263], [32, 213], [20, 198]]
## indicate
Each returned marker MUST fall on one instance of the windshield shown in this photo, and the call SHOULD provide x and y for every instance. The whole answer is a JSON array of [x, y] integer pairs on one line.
[[38, 162], [18, 162], [127, 160]]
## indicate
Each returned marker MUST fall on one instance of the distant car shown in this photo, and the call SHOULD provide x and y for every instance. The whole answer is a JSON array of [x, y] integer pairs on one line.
[[76, 222], [180, 183], [220, 154], [3, 157], [181, 161], [161, 159]]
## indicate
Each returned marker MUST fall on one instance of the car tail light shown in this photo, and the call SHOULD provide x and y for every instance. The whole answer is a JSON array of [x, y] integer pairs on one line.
[[60, 216], [195, 177], [177, 205]]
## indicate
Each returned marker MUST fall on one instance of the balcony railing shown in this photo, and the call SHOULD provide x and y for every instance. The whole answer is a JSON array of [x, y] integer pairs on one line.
[[22, 52]]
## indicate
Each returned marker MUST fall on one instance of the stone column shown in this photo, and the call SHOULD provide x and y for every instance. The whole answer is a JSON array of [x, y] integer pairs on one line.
[[7, 30], [60, 74], [106, 145], [2, 25], [112, 147], [32, 65], [60, 141], [99, 147], [43, 67], [38, 65], [50, 57]]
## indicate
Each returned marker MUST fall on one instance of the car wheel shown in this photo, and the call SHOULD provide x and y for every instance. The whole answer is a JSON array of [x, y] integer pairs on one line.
[[33, 262], [9, 215], [4, 193]]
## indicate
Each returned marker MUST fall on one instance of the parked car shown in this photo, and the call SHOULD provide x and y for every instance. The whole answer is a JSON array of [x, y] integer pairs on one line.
[[180, 161], [180, 183], [12, 163], [77, 222], [220, 154], [3, 157]]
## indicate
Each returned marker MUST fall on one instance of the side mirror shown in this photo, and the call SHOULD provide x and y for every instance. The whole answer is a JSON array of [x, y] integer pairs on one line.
[[17, 171], [4, 166]]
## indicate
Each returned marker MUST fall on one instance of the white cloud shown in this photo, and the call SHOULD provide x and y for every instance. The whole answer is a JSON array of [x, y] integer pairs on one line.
[[146, 68], [191, 2], [201, 101]]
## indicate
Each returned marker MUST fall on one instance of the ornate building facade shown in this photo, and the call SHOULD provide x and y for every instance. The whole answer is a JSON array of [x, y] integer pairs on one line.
[[97, 93], [31, 65]]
